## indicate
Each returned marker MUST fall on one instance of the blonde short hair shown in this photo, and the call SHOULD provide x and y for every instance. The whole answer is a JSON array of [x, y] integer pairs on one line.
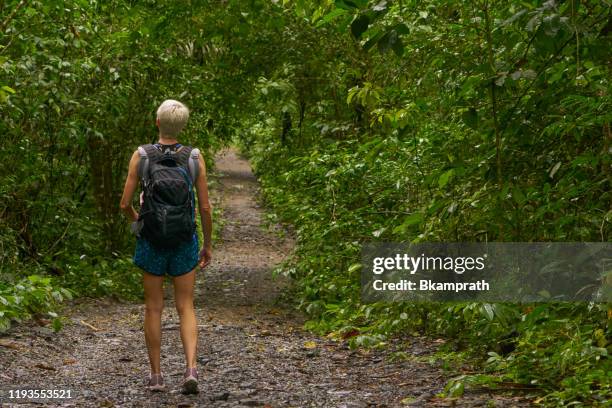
[[172, 117]]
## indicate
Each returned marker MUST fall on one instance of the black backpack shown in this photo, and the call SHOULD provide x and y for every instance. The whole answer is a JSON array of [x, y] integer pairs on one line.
[[167, 214]]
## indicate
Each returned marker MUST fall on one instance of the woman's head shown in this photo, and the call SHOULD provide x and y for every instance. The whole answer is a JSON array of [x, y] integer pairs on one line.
[[171, 118]]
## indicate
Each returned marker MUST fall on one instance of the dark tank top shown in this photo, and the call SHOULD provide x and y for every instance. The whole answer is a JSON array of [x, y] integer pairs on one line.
[[181, 156]]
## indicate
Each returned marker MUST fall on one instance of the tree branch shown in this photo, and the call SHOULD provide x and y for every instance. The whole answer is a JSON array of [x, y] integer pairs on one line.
[[10, 16]]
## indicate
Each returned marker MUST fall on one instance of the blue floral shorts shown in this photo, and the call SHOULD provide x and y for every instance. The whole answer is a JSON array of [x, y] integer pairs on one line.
[[175, 262]]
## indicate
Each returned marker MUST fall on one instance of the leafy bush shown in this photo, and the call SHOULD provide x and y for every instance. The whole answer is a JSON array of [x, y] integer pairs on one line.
[[29, 296], [443, 121]]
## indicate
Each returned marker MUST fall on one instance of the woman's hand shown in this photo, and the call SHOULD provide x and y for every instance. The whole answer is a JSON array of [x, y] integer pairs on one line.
[[205, 257]]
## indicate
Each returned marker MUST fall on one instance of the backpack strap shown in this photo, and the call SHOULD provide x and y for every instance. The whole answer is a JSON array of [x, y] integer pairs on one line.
[[194, 164], [147, 152], [143, 164]]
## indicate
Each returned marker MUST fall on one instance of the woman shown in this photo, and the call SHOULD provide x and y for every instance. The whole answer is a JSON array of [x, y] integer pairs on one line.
[[180, 261]]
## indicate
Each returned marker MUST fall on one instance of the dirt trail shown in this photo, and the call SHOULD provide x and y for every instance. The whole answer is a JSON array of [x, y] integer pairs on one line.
[[252, 351]]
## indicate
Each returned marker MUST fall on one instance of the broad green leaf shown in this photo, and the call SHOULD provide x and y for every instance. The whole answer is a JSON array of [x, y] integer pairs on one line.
[[488, 311], [412, 219], [331, 16], [445, 178], [470, 118], [554, 170], [354, 267], [379, 232], [380, 6], [359, 25], [456, 390], [402, 29], [518, 195], [346, 4]]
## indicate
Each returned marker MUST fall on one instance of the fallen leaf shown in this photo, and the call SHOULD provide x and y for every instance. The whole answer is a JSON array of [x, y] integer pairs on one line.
[[106, 403], [69, 361], [310, 345]]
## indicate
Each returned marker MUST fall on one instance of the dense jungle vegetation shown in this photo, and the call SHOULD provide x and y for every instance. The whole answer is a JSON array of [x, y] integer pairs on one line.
[[420, 121]]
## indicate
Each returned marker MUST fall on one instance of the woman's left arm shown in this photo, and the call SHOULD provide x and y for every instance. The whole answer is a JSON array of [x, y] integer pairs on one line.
[[130, 186]]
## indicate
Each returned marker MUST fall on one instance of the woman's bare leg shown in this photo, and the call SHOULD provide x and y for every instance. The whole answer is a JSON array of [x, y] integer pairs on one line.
[[154, 304], [183, 296]]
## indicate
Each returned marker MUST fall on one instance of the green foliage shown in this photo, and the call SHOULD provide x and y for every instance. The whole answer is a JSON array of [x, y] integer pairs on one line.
[[445, 121], [32, 295], [104, 276], [79, 85]]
